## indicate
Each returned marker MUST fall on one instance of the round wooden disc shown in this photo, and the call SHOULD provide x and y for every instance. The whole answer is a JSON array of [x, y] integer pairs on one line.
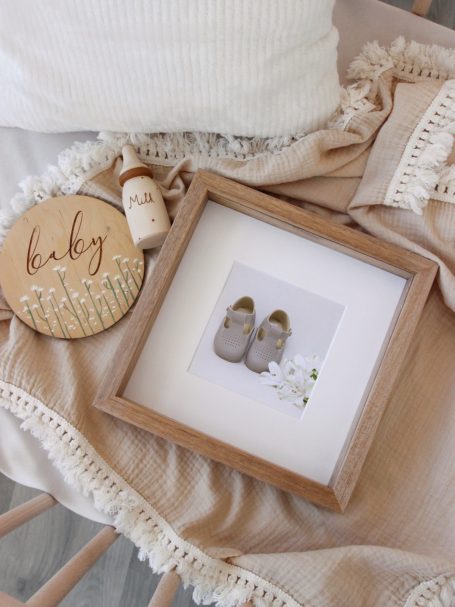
[[69, 268]]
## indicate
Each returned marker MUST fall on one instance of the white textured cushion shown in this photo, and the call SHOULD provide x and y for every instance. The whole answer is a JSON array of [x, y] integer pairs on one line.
[[240, 67]]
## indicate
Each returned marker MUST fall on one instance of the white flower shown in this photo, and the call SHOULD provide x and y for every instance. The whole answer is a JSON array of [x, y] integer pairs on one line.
[[116, 257], [117, 277], [52, 290], [63, 269], [63, 299], [83, 281], [34, 288], [294, 379], [75, 295], [106, 274], [56, 268], [126, 259], [24, 298], [274, 376]]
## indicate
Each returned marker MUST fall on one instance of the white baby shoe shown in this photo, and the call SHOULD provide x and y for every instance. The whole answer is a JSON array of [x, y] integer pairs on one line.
[[268, 342], [232, 338]]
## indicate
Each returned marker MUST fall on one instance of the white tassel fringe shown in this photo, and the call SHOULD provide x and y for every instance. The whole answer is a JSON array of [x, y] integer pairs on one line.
[[82, 161], [438, 592], [422, 173], [410, 61], [214, 581]]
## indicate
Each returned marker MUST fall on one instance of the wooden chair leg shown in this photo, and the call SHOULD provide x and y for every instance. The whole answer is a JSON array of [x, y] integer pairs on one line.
[[166, 590], [8, 601], [68, 576], [421, 7], [25, 512]]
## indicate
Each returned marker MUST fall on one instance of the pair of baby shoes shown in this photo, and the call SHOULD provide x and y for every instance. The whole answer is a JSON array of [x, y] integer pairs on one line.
[[234, 339]]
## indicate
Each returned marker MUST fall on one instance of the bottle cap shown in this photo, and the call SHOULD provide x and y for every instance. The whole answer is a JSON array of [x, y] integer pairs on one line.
[[132, 166]]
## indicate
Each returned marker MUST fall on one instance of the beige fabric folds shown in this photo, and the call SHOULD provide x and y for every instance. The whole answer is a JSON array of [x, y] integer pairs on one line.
[[232, 537]]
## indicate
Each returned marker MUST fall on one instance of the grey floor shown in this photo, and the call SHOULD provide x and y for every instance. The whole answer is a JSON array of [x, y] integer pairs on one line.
[[31, 554]]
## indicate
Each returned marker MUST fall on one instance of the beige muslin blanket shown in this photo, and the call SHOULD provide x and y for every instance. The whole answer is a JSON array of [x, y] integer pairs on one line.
[[383, 165]]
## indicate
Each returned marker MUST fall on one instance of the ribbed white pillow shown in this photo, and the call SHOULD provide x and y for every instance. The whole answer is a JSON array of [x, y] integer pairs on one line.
[[240, 67]]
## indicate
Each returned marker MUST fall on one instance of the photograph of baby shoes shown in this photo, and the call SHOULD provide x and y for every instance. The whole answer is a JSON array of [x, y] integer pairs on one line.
[[233, 335], [233, 340], [268, 342]]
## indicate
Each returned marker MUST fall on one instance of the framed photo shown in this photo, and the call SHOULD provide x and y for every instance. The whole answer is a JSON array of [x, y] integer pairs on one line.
[[268, 339]]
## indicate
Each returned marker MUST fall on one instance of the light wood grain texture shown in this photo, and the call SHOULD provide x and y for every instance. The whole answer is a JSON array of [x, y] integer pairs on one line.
[[421, 7], [52, 593], [166, 590], [69, 268], [418, 271], [25, 512]]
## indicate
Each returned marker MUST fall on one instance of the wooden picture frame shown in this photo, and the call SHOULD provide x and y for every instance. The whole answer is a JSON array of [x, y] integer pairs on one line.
[[418, 272]]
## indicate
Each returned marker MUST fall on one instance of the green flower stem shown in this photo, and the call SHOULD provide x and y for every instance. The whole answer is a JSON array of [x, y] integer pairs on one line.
[[65, 334], [85, 312], [132, 276], [94, 305], [68, 310], [109, 308], [123, 292], [74, 312], [46, 320], [111, 287], [136, 267], [60, 324], [124, 274], [30, 313], [42, 319]]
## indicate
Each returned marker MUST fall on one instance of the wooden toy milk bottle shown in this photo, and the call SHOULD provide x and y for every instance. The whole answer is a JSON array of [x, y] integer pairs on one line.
[[144, 206]]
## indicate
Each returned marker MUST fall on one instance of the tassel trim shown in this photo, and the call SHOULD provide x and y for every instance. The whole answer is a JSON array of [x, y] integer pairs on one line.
[[439, 592], [82, 161], [214, 581], [409, 62], [422, 173]]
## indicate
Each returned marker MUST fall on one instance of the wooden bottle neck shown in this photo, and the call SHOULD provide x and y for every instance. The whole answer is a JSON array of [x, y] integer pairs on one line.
[[134, 172]]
